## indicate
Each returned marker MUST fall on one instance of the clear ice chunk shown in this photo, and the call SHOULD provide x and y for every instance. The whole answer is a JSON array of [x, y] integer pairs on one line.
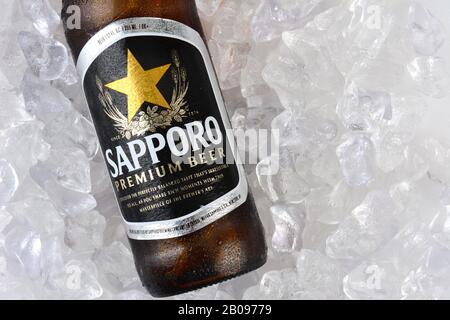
[[26, 141], [331, 205], [5, 219], [370, 225], [42, 100], [279, 179], [318, 276], [44, 17], [429, 281], [72, 128], [440, 227], [279, 284], [70, 201], [25, 245], [431, 76], [116, 263], [274, 16], [47, 58], [428, 33], [285, 74], [9, 181], [79, 281], [304, 133], [364, 110], [85, 231], [133, 295], [70, 168], [289, 225], [381, 276], [319, 68], [40, 215], [356, 156], [208, 7], [229, 59]]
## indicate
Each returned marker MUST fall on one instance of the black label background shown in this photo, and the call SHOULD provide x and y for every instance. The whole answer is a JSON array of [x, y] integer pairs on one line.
[[152, 52]]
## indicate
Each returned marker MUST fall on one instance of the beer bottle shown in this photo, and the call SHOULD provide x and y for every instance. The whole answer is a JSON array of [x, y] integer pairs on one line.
[[164, 133]]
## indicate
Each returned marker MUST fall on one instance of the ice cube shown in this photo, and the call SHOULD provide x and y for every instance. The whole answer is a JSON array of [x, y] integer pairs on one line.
[[277, 285], [40, 215], [23, 146], [279, 179], [116, 263], [222, 295], [9, 181], [12, 64], [370, 225], [372, 280], [285, 73], [17, 288], [304, 133], [289, 224], [356, 32], [318, 273], [24, 246], [430, 279], [440, 227], [319, 67], [428, 33], [252, 130], [5, 219], [208, 7], [84, 231], [274, 16], [326, 166], [71, 128], [231, 23], [253, 294], [47, 58], [356, 156], [331, 205], [437, 155], [361, 109], [207, 293], [390, 150], [252, 82], [70, 201], [431, 76], [42, 100], [381, 276], [70, 168], [79, 281], [229, 59], [15, 114], [133, 295], [408, 113], [44, 17]]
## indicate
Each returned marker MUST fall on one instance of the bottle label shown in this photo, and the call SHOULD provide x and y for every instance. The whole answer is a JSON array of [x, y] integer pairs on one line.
[[161, 121]]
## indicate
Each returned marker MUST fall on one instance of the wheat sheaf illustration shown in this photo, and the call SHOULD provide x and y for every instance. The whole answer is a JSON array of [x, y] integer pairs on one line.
[[153, 118]]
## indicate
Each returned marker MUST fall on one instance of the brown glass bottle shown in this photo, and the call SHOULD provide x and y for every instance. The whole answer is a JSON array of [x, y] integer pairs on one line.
[[226, 248]]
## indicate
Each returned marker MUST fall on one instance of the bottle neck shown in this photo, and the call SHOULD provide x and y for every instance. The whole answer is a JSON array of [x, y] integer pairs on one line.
[[96, 14]]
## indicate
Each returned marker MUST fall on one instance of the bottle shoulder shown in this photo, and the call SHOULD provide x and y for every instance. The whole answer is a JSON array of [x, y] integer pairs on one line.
[[93, 16]]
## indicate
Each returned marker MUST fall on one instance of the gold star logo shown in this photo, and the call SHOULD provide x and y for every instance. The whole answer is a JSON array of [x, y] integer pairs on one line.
[[140, 86]]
